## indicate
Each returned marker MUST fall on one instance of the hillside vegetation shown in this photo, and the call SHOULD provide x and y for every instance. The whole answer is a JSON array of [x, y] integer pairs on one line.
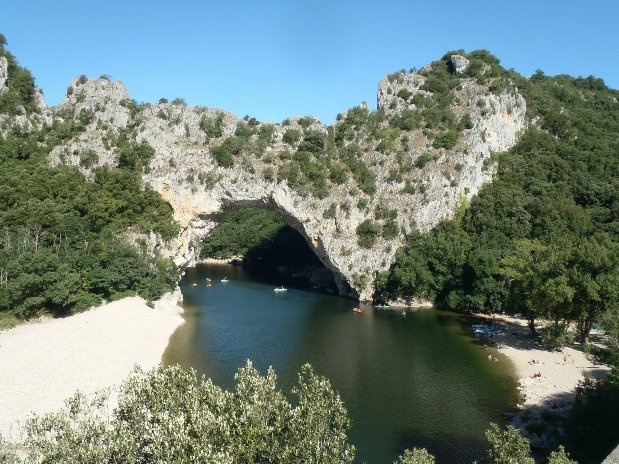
[[542, 238], [61, 236]]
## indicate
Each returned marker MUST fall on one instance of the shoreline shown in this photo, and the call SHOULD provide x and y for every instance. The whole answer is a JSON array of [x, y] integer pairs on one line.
[[547, 380], [43, 363]]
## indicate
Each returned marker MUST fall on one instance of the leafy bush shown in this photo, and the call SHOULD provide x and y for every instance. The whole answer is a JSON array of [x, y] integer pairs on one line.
[[225, 152], [313, 142], [212, 127], [292, 136], [507, 447], [135, 156], [466, 122], [405, 94], [21, 89], [367, 233], [416, 456], [391, 229], [338, 174], [88, 158], [305, 121], [592, 428], [406, 120], [329, 213], [556, 336], [447, 139], [422, 160], [255, 422]]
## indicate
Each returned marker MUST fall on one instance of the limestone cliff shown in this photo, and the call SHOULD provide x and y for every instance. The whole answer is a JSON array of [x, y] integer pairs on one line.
[[418, 179]]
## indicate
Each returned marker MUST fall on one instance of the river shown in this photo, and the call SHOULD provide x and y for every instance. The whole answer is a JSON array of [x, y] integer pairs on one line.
[[416, 380]]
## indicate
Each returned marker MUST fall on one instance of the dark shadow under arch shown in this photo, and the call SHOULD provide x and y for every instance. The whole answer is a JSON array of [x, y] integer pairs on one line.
[[289, 258]]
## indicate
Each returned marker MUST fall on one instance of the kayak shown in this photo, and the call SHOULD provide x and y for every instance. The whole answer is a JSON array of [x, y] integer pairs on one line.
[[382, 306], [358, 310], [225, 280], [280, 289]]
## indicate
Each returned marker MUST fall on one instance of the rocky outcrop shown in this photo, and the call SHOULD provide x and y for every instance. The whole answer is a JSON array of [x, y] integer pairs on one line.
[[388, 96], [458, 63], [4, 74], [183, 170]]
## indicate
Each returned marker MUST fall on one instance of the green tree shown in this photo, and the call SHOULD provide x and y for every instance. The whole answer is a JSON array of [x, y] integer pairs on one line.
[[171, 415], [507, 446], [560, 457], [594, 275], [416, 456], [522, 268]]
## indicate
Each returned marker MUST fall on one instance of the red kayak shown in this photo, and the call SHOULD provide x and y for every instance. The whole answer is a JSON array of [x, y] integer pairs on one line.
[[358, 311]]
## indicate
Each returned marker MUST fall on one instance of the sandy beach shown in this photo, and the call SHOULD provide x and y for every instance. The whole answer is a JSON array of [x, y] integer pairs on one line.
[[545, 377], [43, 363]]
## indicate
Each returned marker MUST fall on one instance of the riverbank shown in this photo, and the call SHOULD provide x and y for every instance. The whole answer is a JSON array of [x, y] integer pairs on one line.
[[547, 380], [43, 363], [544, 376]]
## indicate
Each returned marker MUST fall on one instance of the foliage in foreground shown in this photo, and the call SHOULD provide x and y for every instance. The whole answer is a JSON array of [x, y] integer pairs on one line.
[[592, 429], [171, 415]]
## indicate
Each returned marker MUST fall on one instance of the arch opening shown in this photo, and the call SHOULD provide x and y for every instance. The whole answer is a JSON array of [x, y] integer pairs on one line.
[[271, 247]]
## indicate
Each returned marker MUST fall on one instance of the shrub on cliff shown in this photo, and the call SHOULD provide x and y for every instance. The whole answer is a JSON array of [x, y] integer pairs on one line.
[[225, 152], [21, 89], [367, 233]]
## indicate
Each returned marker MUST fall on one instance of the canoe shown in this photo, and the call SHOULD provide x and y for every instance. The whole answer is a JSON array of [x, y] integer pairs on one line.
[[358, 310], [382, 306]]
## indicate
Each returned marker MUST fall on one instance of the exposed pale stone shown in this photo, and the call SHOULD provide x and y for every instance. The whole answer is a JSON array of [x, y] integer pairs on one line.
[[4, 74], [459, 63], [183, 157]]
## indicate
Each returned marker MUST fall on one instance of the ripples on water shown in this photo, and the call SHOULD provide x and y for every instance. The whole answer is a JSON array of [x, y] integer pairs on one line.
[[419, 380]]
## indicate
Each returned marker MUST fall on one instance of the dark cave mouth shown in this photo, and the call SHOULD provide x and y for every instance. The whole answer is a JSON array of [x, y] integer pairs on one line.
[[262, 241], [288, 260]]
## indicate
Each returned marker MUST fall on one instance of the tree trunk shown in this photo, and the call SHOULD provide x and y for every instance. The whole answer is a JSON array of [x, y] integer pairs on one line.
[[584, 327], [532, 323]]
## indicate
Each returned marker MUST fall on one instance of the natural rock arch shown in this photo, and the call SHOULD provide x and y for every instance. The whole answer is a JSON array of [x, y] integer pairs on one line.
[[314, 244], [184, 172]]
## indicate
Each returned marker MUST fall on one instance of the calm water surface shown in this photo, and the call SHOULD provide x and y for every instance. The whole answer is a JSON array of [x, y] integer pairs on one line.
[[420, 380]]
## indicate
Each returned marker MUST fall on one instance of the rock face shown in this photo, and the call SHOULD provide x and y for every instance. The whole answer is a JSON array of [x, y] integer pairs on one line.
[[184, 172], [4, 74], [458, 63]]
